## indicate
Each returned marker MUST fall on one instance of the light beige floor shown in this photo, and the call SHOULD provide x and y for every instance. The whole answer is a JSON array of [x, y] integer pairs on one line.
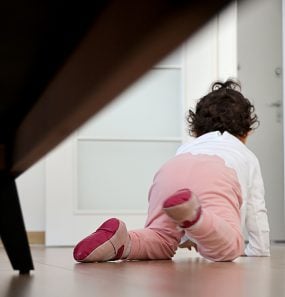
[[56, 274]]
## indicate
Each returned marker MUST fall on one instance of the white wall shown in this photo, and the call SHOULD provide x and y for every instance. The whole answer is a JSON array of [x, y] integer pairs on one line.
[[210, 55], [31, 189]]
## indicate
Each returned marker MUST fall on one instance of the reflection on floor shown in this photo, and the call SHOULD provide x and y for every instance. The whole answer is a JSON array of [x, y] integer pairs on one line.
[[56, 274]]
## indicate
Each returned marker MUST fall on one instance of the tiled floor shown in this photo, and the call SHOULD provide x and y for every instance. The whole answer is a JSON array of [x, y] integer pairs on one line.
[[56, 274]]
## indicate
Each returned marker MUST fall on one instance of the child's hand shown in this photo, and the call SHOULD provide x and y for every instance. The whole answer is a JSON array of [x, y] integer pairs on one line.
[[189, 244]]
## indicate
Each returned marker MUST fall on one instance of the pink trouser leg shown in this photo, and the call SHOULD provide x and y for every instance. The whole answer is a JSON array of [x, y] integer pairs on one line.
[[216, 239], [150, 244], [217, 233]]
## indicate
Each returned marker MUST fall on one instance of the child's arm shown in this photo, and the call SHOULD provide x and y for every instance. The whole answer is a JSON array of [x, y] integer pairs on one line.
[[256, 220]]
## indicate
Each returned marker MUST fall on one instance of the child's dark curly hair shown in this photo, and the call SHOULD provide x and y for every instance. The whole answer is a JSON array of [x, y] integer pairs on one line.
[[223, 109]]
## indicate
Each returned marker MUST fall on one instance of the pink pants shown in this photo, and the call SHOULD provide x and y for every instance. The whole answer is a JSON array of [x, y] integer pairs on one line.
[[217, 233]]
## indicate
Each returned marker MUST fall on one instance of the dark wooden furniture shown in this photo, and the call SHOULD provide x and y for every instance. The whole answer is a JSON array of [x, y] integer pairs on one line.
[[61, 62]]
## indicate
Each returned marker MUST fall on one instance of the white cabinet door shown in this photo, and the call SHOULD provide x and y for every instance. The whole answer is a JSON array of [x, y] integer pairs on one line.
[[106, 168]]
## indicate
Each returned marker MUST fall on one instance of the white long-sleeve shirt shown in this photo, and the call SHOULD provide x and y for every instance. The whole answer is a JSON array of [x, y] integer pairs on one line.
[[246, 165]]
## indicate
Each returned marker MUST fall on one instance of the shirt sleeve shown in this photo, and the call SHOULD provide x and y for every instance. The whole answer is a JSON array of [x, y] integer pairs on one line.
[[256, 220]]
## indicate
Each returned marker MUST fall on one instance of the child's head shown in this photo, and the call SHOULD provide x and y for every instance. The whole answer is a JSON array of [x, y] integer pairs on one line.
[[223, 109]]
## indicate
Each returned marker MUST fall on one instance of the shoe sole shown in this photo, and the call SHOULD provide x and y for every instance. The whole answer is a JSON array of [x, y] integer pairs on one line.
[[179, 205], [108, 249]]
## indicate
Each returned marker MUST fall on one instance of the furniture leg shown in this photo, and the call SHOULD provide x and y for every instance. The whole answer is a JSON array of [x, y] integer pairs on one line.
[[12, 228]]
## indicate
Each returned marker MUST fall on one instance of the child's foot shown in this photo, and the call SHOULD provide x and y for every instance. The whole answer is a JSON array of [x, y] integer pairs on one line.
[[109, 242], [183, 207]]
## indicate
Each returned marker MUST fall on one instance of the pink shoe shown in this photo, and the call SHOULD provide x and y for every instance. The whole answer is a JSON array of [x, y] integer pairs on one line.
[[109, 242], [183, 207]]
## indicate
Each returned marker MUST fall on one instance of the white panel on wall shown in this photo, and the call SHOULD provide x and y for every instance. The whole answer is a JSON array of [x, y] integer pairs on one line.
[[150, 108], [125, 144], [117, 175]]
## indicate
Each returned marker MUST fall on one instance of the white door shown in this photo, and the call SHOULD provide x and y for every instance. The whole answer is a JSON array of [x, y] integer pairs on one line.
[[260, 72], [106, 168]]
